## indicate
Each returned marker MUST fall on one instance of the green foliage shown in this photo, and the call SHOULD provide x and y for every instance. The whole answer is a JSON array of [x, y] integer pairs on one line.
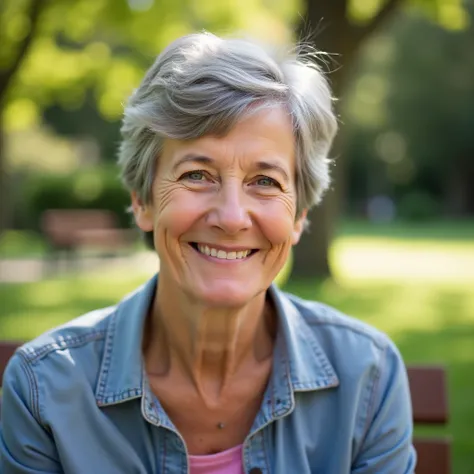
[[16, 244], [410, 115], [418, 206], [105, 45], [95, 188], [448, 14]]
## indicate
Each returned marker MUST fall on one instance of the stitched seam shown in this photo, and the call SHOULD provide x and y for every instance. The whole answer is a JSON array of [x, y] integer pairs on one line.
[[163, 465], [316, 308], [371, 405], [33, 355], [265, 450], [323, 360], [106, 358], [33, 388], [375, 340]]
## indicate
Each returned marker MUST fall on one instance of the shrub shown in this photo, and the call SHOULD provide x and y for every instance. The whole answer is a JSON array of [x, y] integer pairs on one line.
[[93, 188], [418, 206]]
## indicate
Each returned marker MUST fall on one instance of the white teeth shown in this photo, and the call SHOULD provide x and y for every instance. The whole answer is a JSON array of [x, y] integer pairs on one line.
[[222, 254]]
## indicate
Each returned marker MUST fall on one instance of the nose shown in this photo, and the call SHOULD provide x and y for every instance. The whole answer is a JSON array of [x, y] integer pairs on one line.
[[230, 211]]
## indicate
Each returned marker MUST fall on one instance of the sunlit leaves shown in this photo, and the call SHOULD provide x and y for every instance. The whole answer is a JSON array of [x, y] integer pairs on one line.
[[116, 86], [21, 114], [450, 14], [14, 26], [366, 103], [106, 45], [362, 11]]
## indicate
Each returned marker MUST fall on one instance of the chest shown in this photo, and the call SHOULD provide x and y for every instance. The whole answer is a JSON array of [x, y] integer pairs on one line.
[[316, 436], [209, 428]]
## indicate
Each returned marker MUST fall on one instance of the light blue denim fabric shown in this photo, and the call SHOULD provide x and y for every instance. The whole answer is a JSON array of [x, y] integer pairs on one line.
[[76, 400]]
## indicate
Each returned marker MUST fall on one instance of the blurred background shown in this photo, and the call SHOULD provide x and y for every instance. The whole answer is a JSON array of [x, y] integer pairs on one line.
[[393, 243]]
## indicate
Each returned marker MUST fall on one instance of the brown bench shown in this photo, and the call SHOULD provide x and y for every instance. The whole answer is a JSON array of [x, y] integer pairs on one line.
[[430, 406], [7, 348], [429, 395], [70, 229]]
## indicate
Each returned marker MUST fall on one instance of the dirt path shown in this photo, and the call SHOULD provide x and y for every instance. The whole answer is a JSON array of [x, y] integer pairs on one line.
[[35, 269]]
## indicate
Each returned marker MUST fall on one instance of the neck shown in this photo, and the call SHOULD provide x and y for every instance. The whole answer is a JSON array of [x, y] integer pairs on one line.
[[208, 346]]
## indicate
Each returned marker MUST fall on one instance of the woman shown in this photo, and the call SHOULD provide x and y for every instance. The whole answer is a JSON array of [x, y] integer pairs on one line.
[[208, 368]]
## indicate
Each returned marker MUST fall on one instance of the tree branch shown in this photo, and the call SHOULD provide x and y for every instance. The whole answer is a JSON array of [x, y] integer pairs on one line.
[[380, 17], [6, 76]]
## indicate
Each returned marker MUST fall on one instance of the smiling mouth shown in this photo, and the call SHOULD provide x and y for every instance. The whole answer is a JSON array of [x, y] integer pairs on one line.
[[222, 254]]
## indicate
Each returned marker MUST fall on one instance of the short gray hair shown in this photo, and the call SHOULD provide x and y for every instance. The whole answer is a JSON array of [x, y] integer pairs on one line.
[[203, 84]]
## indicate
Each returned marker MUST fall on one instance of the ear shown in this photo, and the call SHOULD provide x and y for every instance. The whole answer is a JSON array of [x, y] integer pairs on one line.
[[143, 213], [299, 226]]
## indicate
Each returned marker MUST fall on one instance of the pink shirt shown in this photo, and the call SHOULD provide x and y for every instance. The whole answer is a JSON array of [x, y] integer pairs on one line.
[[226, 462]]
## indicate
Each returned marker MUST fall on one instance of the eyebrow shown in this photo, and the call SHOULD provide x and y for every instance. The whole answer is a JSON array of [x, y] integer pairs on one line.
[[261, 165], [192, 158], [272, 166]]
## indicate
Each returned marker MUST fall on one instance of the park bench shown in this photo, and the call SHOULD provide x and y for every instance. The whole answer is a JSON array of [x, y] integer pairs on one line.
[[72, 229], [430, 406]]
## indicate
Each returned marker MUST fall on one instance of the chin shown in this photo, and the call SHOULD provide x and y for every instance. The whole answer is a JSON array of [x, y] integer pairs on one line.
[[226, 295]]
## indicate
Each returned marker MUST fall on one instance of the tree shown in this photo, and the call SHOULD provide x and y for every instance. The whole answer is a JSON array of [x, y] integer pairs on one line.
[[342, 27], [7, 75], [431, 105], [62, 52]]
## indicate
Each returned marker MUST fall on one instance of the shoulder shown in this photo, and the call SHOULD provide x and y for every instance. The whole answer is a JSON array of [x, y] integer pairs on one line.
[[322, 317], [87, 355], [367, 363], [351, 345], [71, 352], [77, 333], [59, 361]]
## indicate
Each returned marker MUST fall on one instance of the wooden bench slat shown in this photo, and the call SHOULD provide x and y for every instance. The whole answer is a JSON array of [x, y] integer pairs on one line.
[[7, 348], [428, 389], [61, 225], [434, 456]]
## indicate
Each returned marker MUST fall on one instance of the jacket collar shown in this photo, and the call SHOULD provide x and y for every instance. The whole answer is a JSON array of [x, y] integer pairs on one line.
[[308, 366], [300, 363], [122, 370]]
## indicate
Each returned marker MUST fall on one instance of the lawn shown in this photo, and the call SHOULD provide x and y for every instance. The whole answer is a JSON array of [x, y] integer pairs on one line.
[[415, 283]]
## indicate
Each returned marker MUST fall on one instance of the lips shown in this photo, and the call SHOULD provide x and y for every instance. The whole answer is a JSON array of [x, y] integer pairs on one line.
[[221, 254]]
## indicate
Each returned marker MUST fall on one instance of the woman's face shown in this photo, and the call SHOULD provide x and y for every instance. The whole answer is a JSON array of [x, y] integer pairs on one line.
[[223, 210]]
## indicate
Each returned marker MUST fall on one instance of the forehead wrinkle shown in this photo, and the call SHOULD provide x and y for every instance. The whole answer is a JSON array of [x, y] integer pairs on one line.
[[242, 148], [258, 156]]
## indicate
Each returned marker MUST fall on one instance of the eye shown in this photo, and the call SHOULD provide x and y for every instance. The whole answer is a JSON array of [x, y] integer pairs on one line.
[[196, 175], [267, 182]]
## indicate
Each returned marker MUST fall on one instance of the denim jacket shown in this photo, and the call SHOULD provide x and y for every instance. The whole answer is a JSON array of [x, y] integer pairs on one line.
[[76, 400]]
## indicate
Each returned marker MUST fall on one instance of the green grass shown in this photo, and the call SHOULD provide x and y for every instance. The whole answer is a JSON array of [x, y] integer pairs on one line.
[[416, 284], [21, 244], [441, 230]]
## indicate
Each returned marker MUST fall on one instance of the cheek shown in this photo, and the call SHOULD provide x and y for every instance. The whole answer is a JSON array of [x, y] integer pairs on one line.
[[277, 223], [177, 210]]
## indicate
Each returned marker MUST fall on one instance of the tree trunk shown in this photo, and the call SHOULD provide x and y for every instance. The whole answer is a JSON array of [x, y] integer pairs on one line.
[[4, 195], [333, 34], [311, 255], [7, 76]]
